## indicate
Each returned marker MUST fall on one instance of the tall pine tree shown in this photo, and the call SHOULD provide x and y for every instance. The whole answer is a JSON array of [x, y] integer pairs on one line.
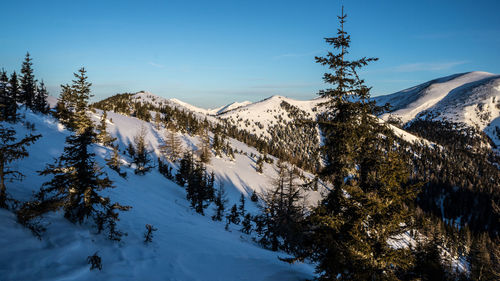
[[28, 83], [369, 201]]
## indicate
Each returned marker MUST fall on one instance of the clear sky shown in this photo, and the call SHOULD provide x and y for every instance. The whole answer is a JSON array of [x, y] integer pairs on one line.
[[210, 53]]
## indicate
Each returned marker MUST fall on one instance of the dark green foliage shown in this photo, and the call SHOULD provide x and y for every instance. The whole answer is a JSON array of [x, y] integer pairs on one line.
[[28, 83], [165, 169], [141, 155], [200, 187], [185, 169], [371, 192], [233, 217], [75, 186], [220, 200], [241, 207], [11, 150], [8, 105], [40, 101], [246, 224]]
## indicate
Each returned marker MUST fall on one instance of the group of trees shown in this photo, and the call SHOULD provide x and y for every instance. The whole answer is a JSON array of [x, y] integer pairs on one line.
[[77, 180], [23, 89]]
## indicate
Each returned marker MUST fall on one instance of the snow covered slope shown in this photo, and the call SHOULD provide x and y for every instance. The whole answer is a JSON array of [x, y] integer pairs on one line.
[[187, 246], [471, 98], [229, 107]]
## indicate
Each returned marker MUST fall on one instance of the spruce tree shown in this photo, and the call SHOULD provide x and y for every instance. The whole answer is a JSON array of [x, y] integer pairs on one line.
[[246, 224], [205, 153], [80, 90], [13, 97], [28, 83], [8, 105], [233, 217], [102, 135], [114, 162], [40, 102], [371, 194], [220, 200], [10, 151], [75, 186], [241, 207], [141, 156]]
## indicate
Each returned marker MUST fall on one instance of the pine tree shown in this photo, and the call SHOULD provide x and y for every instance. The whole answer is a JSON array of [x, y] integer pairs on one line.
[[246, 224], [80, 90], [141, 158], [241, 207], [8, 105], [220, 200], [75, 186], [172, 147], [28, 83], [114, 161], [13, 97], [259, 164], [65, 107], [200, 188], [11, 150], [371, 193], [254, 197], [102, 135], [233, 217], [157, 120], [186, 168], [40, 101]]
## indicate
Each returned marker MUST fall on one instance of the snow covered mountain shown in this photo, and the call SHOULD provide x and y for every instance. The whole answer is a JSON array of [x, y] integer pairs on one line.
[[470, 98], [187, 246]]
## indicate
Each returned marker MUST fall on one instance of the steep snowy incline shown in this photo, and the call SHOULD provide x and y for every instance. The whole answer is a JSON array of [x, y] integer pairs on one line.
[[187, 246], [408, 103], [229, 107]]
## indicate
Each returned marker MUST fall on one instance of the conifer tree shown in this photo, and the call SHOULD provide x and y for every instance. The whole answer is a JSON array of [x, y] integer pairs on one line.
[[186, 168], [241, 207], [259, 164], [233, 217], [28, 83], [8, 105], [246, 224], [200, 188], [80, 90], [65, 107], [13, 97], [40, 101], [141, 156], [114, 161], [371, 193], [11, 150], [220, 200], [75, 186], [102, 135], [254, 197]]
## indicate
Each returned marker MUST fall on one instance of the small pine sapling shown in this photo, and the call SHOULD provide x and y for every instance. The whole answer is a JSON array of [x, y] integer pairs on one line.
[[148, 235], [94, 261]]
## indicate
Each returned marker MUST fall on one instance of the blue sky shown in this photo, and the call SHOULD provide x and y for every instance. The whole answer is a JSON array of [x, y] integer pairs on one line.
[[209, 53]]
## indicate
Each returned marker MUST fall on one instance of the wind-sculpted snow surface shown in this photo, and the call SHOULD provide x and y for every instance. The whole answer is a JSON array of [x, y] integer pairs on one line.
[[186, 246]]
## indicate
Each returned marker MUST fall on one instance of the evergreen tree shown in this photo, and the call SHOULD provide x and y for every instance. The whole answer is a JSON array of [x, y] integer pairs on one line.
[[186, 167], [65, 107], [371, 194], [233, 217], [40, 101], [241, 207], [254, 197], [11, 150], [157, 120], [102, 135], [172, 147], [75, 186], [259, 164], [8, 105], [13, 97], [220, 200], [114, 162], [141, 158], [80, 90], [28, 83], [246, 224], [200, 188]]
